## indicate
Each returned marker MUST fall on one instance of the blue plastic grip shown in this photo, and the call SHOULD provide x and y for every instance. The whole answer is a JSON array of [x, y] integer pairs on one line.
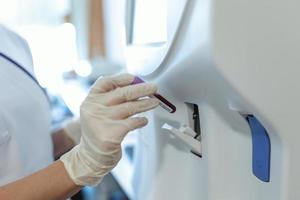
[[261, 149]]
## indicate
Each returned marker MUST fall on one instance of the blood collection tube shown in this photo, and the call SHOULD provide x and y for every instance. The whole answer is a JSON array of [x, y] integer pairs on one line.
[[163, 102]]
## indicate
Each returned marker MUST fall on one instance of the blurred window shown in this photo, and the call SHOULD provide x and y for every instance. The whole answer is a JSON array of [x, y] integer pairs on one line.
[[51, 40]]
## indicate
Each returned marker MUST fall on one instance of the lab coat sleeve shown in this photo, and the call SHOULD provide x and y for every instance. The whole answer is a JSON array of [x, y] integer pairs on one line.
[[4, 135]]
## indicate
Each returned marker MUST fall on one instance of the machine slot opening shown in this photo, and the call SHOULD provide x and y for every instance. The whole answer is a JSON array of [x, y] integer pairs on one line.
[[194, 122], [194, 119]]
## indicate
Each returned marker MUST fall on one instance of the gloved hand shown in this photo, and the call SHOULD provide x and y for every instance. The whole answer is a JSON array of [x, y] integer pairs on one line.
[[72, 128], [105, 117]]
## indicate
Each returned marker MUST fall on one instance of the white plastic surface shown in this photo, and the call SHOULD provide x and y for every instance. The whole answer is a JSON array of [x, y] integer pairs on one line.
[[229, 57], [143, 57], [184, 135]]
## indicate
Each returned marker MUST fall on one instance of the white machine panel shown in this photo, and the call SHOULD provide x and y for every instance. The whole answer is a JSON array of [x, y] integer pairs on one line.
[[235, 64]]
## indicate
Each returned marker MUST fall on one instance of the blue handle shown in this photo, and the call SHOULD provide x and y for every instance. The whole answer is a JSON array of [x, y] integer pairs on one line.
[[261, 149]]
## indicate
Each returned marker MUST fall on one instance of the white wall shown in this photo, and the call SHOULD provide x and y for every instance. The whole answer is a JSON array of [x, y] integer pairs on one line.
[[115, 37]]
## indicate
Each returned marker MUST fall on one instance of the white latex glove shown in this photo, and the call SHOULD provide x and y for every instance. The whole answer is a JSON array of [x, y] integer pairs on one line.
[[73, 129], [105, 117]]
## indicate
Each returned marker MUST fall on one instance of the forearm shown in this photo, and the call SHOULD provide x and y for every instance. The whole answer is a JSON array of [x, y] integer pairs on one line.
[[51, 183]]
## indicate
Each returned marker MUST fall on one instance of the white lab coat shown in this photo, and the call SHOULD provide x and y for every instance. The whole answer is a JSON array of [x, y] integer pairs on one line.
[[25, 141]]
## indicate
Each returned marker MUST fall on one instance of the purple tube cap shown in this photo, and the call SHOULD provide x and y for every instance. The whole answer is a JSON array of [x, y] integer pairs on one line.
[[137, 80]]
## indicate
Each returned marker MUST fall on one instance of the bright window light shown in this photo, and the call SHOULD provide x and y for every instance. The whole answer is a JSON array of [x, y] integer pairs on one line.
[[54, 51], [150, 22]]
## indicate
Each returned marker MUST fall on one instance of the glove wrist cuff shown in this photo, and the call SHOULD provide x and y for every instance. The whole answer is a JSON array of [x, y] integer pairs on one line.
[[80, 169]]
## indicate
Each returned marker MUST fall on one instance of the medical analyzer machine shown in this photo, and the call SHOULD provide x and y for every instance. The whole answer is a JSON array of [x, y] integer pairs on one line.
[[231, 68]]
